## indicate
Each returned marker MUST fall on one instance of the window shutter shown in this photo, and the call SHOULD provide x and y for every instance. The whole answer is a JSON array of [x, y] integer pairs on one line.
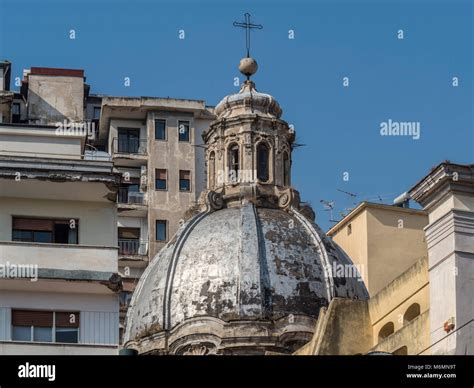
[[67, 319], [32, 224], [161, 174], [32, 318], [185, 175]]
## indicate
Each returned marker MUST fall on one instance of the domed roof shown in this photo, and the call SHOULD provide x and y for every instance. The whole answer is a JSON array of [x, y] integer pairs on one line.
[[240, 265], [248, 100]]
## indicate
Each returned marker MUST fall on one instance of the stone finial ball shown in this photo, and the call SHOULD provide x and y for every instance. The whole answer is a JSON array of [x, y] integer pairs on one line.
[[248, 66]]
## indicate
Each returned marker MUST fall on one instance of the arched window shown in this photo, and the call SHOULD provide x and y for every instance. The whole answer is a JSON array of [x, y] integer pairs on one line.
[[212, 170], [262, 162], [386, 330], [403, 351], [233, 160], [412, 312], [286, 169]]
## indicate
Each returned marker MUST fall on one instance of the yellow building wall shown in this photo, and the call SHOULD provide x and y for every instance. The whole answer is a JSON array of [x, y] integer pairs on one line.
[[396, 240], [391, 304], [385, 240]]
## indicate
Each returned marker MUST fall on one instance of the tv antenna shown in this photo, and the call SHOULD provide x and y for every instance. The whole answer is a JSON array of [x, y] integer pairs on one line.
[[351, 195], [329, 207]]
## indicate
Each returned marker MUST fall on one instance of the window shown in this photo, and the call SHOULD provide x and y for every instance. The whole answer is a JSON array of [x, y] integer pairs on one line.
[[403, 351], [160, 179], [262, 162], [16, 112], [129, 241], [349, 229], [39, 326], [67, 327], [128, 141], [412, 312], [160, 129], [129, 192], [161, 232], [183, 130], [124, 299], [32, 326], [233, 161], [45, 230], [15, 108], [286, 169], [212, 169], [184, 180], [386, 330], [96, 113]]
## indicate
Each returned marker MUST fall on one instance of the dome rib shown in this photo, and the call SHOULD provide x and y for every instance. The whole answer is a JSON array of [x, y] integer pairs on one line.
[[181, 240], [319, 243]]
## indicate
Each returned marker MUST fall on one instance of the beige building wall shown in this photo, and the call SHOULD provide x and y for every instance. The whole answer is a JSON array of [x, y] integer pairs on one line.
[[349, 327], [55, 98], [95, 218], [172, 155], [385, 240], [410, 290], [40, 142]]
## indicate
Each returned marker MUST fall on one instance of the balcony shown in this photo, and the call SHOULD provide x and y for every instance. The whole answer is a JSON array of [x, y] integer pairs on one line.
[[129, 146], [125, 196], [12, 348], [62, 261], [132, 247], [129, 152]]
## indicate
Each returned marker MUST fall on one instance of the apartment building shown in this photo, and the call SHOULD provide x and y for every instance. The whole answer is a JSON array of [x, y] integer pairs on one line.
[[59, 283], [155, 146]]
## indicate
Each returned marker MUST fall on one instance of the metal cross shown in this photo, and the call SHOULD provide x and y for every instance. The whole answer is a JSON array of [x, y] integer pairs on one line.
[[248, 26]]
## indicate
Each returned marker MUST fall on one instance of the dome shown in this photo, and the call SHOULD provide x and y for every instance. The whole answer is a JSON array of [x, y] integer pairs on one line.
[[248, 101], [240, 279]]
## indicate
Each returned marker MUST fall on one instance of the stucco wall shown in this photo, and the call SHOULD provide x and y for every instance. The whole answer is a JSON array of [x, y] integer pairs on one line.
[[39, 142], [55, 98], [342, 329], [98, 315], [173, 156], [97, 220], [391, 303]]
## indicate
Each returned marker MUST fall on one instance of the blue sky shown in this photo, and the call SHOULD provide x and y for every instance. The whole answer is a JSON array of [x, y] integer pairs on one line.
[[407, 80]]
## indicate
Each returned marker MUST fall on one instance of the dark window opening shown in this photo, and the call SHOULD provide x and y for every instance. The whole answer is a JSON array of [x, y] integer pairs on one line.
[[130, 193], [45, 230], [128, 140], [39, 326], [129, 241], [160, 129], [183, 130], [160, 179], [286, 169], [96, 113], [233, 162], [386, 330], [262, 162], [16, 112], [161, 226], [212, 170], [412, 312], [184, 180]]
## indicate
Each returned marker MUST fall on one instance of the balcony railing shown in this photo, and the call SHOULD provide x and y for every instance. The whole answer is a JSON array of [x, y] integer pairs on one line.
[[131, 247], [130, 197], [129, 146], [52, 256]]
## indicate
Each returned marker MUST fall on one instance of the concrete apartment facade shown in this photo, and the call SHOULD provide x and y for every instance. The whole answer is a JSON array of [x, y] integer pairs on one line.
[[59, 289], [154, 144]]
